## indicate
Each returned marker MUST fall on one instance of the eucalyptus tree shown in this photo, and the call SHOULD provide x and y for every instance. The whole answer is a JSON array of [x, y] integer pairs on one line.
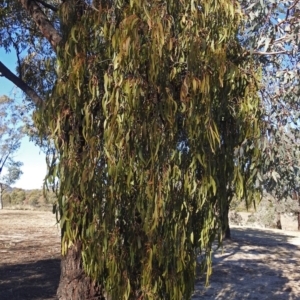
[[153, 110], [270, 32], [10, 140]]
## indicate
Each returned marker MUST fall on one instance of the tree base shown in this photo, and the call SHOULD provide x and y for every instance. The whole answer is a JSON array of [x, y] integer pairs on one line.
[[74, 284], [278, 221], [227, 233]]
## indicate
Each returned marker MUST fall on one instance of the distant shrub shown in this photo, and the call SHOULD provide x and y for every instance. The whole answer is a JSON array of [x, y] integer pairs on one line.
[[36, 199], [17, 196], [235, 218], [6, 199], [269, 211]]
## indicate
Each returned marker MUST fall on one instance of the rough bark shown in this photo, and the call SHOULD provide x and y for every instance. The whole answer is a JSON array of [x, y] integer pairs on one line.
[[42, 22], [227, 233], [74, 284], [226, 227]]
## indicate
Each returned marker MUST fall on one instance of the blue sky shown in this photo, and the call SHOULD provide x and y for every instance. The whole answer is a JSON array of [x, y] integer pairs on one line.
[[34, 164]]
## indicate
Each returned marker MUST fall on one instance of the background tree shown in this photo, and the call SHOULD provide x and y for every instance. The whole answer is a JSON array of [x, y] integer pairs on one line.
[[271, 34], [17, 196], [155, 116], [10, 141], [23, 198]]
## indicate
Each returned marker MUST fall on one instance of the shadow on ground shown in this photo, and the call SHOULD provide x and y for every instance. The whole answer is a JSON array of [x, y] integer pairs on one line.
[[30, 281], [255, 265]]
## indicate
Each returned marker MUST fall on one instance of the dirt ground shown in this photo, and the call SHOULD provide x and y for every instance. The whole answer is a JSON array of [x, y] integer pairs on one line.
[[29, 255], [256, 264]]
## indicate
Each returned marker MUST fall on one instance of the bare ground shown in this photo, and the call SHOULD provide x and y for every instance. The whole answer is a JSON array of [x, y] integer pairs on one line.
[[29, 255], [256, 264]]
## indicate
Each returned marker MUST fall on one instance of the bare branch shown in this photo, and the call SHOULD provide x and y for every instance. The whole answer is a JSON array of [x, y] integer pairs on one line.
[[3, 162], [4, 71], [49, 32], [281, 22], [290, 8], [280, 39], [42, 22], [271, 53], [287, 13]]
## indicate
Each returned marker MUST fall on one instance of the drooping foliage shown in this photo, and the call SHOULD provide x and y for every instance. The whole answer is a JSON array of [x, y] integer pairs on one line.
[[155, 117]]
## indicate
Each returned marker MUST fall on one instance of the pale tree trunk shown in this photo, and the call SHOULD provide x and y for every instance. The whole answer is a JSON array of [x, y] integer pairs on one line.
[[74, 284], [298, 211], [296, 197], [1, 194]]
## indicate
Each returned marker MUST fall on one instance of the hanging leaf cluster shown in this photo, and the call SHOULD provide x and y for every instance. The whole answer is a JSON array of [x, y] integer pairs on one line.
[[155, 117]]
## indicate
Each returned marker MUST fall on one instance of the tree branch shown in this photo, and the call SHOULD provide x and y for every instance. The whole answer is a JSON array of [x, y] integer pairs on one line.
[[42, 22], [47, 5], [3, 163], [290, 8], [271, 53], [287, 13], [48, 31], [4, 71]]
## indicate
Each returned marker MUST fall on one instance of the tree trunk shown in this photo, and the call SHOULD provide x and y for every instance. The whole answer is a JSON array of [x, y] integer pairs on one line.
[[226, 227], [227, 233], [1, 192], [278, 221], [74, 284], [298, 211]]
